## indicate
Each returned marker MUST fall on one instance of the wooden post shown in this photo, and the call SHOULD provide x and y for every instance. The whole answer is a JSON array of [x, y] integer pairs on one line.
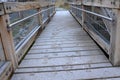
[[40, 17], [83, 14], [115, 39], [48, 12], [7, 40]]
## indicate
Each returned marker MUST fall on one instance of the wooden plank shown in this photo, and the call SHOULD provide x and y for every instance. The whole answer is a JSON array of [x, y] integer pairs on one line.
[[65, 35], [54, 50], [44, 3], [90, 74], [62, 29], [64, 39], [20, 6], [61, 42], [9, 7], [63, 61], [68, 63], [78, 28], [102, 3], [63, 45], [60, 34], [64, 54], [62, 68]]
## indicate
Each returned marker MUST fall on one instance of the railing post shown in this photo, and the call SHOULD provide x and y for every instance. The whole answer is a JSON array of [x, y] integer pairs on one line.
[[7, 40], [54, 7], [40, 17], [83, 14], [48, 12], [115, 39]]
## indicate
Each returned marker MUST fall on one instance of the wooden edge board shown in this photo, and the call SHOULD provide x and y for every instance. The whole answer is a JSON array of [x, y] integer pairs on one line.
[[87, 74], [103, 3], [10, 7], [21, 6], [99, 3], [62, 68], [6, 71]]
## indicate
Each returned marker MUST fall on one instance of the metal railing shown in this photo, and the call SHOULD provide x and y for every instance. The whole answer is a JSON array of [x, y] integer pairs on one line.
[[23, 27], [21, 23], [101, 21], [93, 13], [94, 21]]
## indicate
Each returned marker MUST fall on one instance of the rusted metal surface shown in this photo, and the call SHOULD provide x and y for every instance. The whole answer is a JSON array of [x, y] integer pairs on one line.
[[65, 52]]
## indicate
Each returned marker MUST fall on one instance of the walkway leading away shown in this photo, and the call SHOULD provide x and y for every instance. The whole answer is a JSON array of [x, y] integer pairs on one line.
[[64, 51]]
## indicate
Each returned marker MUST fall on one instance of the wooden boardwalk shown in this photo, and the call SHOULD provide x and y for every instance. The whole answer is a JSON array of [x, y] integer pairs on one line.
[[64, 51]]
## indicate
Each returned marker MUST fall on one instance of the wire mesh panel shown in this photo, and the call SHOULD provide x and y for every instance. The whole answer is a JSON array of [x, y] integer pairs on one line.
[[45, 15], [97, 24], [20, 15], [2, 56], [24, 28], [76, 12], [51, 11]]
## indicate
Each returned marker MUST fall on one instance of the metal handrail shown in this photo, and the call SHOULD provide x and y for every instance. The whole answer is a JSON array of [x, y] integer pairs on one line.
[[11, 25], [93, 13]]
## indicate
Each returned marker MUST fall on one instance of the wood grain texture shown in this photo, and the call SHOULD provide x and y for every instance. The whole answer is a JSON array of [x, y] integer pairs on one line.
[[5, 71], [21, 6], [90, 74], [102, 3], [99, 3], [115, 40], [2, 56], [63, 52]]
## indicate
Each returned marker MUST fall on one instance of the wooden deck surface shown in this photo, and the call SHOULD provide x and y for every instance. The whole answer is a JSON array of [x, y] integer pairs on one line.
[[64, 51]]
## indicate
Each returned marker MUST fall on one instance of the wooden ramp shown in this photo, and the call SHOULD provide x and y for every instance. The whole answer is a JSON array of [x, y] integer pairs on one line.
[[64, 51]]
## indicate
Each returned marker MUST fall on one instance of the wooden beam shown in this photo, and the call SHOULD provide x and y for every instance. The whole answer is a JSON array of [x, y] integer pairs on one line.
[[19, 6], [7, 40], [10, 7], [75, 3], [115, 39], [102, 3]]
